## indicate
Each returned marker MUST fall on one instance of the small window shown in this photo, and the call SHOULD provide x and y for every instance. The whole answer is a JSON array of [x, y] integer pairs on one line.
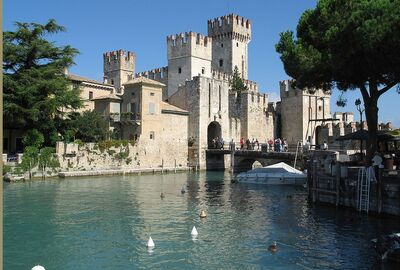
[[319, 108], [151, 94], [203, 70], [152, 137], [90, 94], [237, 44], [222, 45], [221, 62], [133, 93], [179, 70], [112, 81], [152, 108]]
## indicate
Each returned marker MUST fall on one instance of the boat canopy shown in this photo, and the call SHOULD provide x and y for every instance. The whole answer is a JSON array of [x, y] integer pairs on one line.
[[280, 167]]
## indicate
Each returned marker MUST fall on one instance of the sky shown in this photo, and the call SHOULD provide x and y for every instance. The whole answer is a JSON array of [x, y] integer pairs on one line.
[[95, 27]]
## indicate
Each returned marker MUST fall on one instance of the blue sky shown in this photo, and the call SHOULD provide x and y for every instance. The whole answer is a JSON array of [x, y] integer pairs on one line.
[[94, 27]]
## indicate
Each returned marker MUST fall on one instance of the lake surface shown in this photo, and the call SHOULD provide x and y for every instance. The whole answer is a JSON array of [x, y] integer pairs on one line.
[[104, 223]]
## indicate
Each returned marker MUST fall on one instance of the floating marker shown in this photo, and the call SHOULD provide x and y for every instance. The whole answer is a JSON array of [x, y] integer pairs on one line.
[[162, 196], [183, 190], [194, 231], [38, 267], [150, 243], [203, 214]]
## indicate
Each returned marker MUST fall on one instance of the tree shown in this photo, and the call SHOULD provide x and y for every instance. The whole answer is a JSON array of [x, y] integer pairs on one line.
[[33, 138], [30, 159], [236, 83], [37, 94], [348, 45], [90, 126], [47, 159]]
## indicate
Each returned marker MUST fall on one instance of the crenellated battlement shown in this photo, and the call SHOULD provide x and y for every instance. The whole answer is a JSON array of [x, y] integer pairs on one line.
[[188, 38], [230, 26], [287, 90], [118, 56], [154, 74], [252, 86]]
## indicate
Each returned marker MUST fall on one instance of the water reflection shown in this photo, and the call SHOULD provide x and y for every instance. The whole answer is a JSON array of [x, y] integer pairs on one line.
[[105, 222]]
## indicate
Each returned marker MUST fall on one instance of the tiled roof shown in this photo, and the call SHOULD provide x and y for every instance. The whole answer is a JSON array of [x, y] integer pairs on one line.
[[83, 79], [145, 81]]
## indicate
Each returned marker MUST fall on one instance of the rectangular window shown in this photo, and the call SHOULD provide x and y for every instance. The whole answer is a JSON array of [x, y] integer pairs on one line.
[[152, 108], [179, 70], [152, 135], [221, 62], [203, 70], [151, 94], [90, 94]]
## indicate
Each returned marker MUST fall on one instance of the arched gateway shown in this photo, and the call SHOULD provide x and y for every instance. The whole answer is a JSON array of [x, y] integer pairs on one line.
[[213, 132]]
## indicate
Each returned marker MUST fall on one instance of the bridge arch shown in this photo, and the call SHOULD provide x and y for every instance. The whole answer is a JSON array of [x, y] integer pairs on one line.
[[246, 164], [213, 131]]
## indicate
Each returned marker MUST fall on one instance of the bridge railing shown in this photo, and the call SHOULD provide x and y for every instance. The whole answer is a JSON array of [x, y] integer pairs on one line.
[[264, 147]]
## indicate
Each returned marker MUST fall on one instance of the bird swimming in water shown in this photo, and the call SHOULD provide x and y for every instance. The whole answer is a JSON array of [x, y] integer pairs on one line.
[[162, 196], [273, 247]]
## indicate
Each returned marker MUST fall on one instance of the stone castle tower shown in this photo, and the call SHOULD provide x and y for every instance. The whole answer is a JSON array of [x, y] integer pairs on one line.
[[119, 67], [231, 35], [303, 112], [189, 54]]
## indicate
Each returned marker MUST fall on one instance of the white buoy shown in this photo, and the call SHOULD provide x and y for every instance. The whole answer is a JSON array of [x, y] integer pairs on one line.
[[150, 243], [38, 267], [194, 231], [203, 214]]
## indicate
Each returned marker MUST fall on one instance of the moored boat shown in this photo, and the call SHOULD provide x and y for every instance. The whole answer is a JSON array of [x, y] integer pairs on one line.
[[277, 174]]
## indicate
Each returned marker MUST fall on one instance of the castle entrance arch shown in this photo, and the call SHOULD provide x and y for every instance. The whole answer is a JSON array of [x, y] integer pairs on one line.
[[213, 131]]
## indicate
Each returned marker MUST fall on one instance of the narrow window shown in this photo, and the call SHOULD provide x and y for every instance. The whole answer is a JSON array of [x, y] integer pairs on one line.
[[319, 108], [179, 70], [222, 45], [112, 81], [203, 70], [90, 94], [152, 135], [221, 62], [151, 94], [237, 44]]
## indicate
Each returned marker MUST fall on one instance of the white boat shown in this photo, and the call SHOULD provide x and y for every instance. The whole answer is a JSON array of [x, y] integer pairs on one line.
[[277, 174]]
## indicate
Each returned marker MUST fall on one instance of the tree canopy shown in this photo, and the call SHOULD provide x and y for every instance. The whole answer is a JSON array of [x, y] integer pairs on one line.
[[348, 45], [236, 82], [36, 92]]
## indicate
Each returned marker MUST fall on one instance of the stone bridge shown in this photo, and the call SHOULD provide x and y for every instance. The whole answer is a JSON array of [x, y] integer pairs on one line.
[[243, 160]]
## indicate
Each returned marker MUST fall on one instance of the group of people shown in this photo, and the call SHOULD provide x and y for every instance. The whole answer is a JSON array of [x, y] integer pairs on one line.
[[278, 145], [250, 145], [217, 143]]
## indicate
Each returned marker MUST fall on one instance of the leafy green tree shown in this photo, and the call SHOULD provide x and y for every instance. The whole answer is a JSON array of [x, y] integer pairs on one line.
[[36, 92], [347, 44], [236, 83], [30, 159], [90, 126], [33, 138], [47, 160]]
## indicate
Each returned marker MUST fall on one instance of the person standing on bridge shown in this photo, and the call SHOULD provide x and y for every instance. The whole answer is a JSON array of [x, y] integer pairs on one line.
[[221, 141], [241, 144], [258, 144]]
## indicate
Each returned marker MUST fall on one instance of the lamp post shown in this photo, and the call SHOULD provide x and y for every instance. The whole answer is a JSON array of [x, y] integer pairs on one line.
[[360, 110]]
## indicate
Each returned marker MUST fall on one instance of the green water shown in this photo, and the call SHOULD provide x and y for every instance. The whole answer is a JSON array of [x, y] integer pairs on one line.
[[104, 223]]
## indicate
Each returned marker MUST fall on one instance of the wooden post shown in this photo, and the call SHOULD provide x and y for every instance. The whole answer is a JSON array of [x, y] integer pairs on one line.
[[338, 172], [232, 157], [314, 185], [175, 166], [162, 166], [379, 190]]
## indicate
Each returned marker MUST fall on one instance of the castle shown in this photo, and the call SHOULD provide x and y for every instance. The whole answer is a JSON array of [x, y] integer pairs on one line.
[[183, 106]]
